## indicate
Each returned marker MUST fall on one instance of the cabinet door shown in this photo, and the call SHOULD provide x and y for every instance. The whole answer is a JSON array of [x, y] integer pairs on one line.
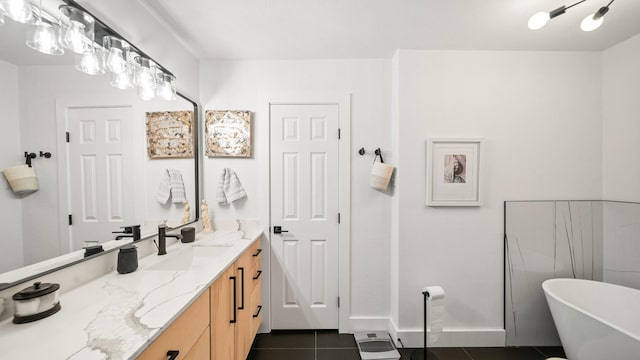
[[183, 333], [200, 350], [223, 316], [245, 285], [256, 306]]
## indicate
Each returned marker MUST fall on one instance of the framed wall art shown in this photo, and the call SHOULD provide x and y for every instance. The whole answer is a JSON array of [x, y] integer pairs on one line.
[[453, 172], [169, 134], [228, 133]]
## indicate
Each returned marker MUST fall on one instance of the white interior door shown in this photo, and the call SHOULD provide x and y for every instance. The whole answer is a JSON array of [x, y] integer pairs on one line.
[[100, 172], [304, 202]]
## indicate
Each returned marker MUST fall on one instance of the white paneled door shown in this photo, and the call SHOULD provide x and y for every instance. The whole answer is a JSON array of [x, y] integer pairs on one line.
[[304, 204], [100, 172]]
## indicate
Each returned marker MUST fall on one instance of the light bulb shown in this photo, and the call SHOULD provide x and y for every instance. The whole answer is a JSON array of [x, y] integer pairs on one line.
[[116, 62], [18, 10], [590, 23], [45, 39], [146, 92], [538, 20], [91, 63], [122, 80], [73, 37]]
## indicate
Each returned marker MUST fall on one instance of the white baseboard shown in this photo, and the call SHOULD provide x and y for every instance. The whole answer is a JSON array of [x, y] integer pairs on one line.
[[453, 337], [364, 323]]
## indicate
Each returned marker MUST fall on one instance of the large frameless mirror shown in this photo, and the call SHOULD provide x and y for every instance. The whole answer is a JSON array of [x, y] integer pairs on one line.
[[94, 140]]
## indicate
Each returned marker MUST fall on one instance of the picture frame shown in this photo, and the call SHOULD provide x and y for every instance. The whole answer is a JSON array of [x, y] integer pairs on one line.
[[228, 133], [170, 134], [453, 175]]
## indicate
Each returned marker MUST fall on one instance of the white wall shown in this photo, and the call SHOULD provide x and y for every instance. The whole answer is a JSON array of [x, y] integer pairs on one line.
[[621, 128], [11, 154], [249, 85], [540, 116]]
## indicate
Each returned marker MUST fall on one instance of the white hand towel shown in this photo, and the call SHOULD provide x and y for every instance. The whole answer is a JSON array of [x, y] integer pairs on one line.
[[178, 193], [233, 189], [229, 187], [220, 197], [164, 190]]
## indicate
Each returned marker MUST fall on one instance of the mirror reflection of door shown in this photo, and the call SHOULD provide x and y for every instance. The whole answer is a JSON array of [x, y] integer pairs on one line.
[[100, 172]]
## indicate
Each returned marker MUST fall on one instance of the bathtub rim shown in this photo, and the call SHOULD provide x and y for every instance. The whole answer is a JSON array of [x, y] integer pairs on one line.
[[545, 287]]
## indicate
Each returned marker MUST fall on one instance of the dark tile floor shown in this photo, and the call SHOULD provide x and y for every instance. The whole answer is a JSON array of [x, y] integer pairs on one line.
[[329, 345]]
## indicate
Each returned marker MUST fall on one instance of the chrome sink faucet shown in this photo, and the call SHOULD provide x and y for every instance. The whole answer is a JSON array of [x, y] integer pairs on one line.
[[162, 238]]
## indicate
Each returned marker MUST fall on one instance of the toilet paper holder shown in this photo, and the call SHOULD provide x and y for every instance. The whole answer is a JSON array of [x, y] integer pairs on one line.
[[416, 355]]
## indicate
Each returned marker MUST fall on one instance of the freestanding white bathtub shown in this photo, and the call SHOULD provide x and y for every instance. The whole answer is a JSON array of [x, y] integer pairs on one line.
[[595, 320]]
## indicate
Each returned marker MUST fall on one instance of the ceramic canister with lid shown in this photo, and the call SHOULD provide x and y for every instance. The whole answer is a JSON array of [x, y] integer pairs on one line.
[[36, 302]]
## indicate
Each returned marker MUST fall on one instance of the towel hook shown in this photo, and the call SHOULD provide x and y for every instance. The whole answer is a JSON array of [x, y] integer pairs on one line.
[[378, 152], [29, 156]]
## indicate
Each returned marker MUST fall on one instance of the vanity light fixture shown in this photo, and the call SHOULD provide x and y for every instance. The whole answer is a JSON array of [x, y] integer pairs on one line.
[[18, 10], [117, 54], [166, 89], [43, 36], [78, 32], [145, 77], [593, 21]]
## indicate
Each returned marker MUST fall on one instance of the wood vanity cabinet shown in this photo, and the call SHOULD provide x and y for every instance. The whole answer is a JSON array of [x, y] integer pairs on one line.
[[222, 323], [233, 325], [188, 335]]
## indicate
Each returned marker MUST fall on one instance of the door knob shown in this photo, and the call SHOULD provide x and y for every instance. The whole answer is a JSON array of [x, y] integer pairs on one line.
[[278, 230]]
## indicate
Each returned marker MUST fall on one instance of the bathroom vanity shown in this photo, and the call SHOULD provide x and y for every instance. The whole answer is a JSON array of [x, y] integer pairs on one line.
[[200, 301]]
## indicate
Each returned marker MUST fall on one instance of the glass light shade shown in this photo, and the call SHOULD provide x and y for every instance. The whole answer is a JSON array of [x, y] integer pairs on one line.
[[538, 20], [91, 63], [116, 54], [145, 78], [590, 23], [78, 34], [146, 92], [18, 10], [165, 87], [43, 37], [122, 80]]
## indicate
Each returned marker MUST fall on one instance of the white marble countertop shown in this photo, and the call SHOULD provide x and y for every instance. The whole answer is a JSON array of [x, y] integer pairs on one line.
[[116, 316]]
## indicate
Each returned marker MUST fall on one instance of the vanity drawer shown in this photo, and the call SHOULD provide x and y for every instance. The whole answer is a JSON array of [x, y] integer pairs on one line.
[[183, 333]]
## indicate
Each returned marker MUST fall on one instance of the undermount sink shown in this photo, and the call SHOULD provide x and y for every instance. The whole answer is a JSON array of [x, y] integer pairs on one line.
[[182, 259]]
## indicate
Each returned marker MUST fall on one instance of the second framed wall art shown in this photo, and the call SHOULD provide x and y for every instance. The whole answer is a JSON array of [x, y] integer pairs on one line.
[[228, 133], [453, 172]]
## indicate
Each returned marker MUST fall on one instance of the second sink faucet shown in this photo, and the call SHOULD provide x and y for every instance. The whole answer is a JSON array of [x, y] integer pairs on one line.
[[162, 238]]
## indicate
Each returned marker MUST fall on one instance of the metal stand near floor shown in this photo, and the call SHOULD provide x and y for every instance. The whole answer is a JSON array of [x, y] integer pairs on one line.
[[421, 354]]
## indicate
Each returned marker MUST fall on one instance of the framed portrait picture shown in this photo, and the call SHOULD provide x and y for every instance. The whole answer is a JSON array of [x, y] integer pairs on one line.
[[170, 134], [228, 133], [453, 172]]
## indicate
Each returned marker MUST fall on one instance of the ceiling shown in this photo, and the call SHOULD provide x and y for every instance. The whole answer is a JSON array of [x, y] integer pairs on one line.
[[317, 29]]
